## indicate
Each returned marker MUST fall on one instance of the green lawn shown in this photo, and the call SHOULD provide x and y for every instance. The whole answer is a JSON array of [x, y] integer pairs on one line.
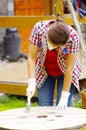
[[10, 102]]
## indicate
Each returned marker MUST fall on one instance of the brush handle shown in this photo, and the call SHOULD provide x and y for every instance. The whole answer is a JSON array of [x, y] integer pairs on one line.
[[28, 104], [28, 100]]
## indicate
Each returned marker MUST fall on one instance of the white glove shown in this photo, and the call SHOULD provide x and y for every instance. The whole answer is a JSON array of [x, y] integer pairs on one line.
[[63, 101], [31, 87]]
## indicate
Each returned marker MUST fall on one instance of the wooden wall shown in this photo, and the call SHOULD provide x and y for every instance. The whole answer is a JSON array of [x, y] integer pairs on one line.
[[30, 7]]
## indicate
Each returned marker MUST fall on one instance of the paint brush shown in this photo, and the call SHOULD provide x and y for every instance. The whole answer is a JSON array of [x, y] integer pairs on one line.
[[28, 104]]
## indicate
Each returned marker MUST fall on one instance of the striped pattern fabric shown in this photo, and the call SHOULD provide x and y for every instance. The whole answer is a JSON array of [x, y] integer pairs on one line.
[[39, 37]]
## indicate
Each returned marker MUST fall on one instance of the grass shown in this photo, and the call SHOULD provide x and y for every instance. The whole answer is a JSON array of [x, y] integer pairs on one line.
[[12, 101], [78, 104], [9, 102]]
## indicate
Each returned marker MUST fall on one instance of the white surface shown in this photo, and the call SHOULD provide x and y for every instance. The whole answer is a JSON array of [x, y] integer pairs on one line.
[[18, 119]]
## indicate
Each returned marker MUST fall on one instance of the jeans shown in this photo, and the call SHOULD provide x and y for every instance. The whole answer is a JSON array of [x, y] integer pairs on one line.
[[46, 92]]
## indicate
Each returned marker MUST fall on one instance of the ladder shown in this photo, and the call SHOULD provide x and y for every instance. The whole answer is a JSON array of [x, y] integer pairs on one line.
[[77, 25]]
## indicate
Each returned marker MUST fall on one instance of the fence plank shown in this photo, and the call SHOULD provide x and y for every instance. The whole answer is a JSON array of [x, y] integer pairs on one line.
[[29, 21]]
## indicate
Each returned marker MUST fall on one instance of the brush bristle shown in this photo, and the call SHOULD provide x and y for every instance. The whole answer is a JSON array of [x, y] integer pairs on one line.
[[28, 108]]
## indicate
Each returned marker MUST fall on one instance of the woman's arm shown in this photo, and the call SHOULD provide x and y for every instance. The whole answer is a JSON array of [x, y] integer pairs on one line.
[[70, 62], [33, 49]]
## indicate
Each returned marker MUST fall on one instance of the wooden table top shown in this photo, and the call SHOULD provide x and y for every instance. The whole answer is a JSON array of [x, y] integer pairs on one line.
[[43, 118]]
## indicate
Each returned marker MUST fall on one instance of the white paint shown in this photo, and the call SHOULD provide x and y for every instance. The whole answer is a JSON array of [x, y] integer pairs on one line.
[[10, 7]]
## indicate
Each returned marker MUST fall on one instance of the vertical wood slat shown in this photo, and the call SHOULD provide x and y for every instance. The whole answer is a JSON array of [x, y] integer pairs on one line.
[[47, 7], [27, 7], [59, 7]]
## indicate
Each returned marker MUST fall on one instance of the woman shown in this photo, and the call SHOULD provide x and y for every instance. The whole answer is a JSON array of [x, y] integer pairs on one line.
[[52, 56]]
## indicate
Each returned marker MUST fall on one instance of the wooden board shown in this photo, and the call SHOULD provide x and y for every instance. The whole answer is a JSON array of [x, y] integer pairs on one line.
[[14, 72], [13, 77], [42, 118]]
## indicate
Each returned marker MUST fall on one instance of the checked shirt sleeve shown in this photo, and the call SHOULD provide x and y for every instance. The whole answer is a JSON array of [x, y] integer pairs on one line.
[[74, 38], [34, 35]]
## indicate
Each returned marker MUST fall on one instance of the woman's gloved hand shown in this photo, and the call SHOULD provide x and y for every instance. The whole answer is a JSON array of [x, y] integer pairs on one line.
[[63, 101], [31, 87]]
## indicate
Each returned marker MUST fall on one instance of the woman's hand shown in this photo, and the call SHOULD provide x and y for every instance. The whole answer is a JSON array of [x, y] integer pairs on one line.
[[31, 87], [63, 101]]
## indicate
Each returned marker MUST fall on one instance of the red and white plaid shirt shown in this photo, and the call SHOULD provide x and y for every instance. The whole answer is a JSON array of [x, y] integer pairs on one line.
[[39, 37]]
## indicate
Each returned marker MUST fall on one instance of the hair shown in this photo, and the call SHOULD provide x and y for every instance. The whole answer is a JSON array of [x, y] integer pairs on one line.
[[59, 32]]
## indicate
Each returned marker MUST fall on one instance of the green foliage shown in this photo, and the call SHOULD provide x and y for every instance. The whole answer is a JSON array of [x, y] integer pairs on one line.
[[12, 101], [4, 99], [78, 103]]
